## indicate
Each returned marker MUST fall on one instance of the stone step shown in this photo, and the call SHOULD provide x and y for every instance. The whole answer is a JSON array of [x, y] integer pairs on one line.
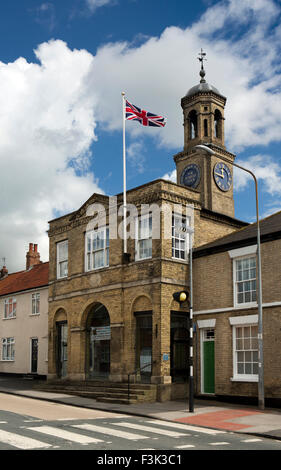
[[109, 394], [96, 384], [121, 401], [97, 390], [90, 394], [133, 387]]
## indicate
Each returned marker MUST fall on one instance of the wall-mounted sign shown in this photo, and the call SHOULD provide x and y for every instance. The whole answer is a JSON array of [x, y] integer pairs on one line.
[[100, 333]]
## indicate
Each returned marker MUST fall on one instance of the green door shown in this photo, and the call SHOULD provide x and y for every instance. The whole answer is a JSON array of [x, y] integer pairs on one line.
[[209, 363]]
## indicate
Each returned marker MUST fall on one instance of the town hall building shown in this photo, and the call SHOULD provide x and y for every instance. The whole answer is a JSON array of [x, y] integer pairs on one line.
[[112, 315]]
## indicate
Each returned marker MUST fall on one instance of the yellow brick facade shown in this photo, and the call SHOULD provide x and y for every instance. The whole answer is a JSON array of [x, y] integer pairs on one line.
[[214, 304], [124, 288], [135, 297]]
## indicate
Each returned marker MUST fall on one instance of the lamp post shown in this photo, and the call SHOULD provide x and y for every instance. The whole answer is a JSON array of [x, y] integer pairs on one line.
[[190, 231], [191, 375], [260, 315]]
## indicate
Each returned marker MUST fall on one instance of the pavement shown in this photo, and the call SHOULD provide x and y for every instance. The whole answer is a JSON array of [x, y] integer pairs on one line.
[[207, 413]]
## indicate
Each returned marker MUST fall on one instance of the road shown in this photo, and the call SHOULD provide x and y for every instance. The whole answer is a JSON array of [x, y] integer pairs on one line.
[[29, 424]]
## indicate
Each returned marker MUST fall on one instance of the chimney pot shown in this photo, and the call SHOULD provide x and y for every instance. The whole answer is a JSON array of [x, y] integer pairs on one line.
[[3, 272], [32, 256]]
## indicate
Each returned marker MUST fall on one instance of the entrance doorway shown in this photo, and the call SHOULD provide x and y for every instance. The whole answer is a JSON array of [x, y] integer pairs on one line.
[[208, 360], [99, 343], [144, 346], [62, 349], [179, 347], [34, 355]]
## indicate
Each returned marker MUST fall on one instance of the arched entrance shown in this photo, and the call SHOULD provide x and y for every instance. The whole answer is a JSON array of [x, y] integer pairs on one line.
[[61, 342], [98, 343]]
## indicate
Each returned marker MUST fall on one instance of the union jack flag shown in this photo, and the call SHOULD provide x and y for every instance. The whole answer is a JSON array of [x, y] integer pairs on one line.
[[133, 113]]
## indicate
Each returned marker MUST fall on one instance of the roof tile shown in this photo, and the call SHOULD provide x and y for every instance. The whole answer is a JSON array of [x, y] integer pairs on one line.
[[37, 276]]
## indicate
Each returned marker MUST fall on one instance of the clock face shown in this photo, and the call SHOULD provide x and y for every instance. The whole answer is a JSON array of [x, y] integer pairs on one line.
[[222, 176], [190, 176]]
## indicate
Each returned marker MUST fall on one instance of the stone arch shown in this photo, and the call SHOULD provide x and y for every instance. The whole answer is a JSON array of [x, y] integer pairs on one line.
[[96, 323], [179, 346], [193, 124], [60, 342], [205, 124], [60, 315], [218, 124], [142, 303], [87, 307], [142, 327]]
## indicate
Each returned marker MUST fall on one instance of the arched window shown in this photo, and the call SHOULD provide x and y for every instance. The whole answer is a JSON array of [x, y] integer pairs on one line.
[[98, 343], [217, 124], [192, 124], [205, 127]]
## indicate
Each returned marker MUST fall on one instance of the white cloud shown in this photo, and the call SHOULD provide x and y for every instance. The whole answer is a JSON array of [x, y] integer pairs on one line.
[[136, 156], [157, 73], [272, 209], [172, 176], [49, 110], [266, 170], [94, 4], [47, 126], [45, 15]]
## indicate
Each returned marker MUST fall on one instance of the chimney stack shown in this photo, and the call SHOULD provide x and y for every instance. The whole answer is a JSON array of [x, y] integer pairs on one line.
[[32, 256], [3, 272]]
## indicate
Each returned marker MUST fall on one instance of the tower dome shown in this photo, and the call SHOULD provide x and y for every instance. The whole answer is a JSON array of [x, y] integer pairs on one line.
[[203, 109], [203, 86]]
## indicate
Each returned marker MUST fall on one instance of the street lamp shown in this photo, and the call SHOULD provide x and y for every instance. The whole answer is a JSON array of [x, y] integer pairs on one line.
[[191, 374], [260, 319], [190, 231]]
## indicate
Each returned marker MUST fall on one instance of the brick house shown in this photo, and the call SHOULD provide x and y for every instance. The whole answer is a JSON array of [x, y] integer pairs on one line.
[[24, 317], [226, 313], [112, 313]]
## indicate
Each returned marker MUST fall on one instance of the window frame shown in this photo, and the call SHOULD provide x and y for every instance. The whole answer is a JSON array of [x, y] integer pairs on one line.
[[7, 344], [104, 250], [7, 302], [35, 300], [138, 239], [60, 261], [244, 377], [185, 237], [251, 303]]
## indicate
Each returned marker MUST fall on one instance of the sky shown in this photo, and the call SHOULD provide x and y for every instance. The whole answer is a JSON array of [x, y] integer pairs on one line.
[[63, 66]]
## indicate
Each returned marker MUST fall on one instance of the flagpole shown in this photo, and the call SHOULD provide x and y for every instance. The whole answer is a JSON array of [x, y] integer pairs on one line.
[[124, 175]]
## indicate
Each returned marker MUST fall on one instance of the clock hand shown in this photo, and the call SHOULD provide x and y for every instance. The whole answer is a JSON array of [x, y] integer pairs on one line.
[[219, 174]]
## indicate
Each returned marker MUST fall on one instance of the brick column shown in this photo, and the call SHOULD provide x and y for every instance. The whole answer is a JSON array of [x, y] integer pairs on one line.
[[116, 352], [161, 339]]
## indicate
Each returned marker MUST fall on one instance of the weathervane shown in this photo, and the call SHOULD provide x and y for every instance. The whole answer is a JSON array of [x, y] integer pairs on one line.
[[201, 59]]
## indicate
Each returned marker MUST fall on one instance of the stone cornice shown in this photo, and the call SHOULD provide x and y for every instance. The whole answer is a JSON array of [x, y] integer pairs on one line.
[[145, 198], [203, 94], [193, 153], [118, 286]]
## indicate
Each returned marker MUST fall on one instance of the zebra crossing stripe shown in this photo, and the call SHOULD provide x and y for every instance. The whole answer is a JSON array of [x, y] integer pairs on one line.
[[219, 443], [109, 431], [252, 440], [62, 434], [150, 429], [21, 442], [185, 446], [185, 427]]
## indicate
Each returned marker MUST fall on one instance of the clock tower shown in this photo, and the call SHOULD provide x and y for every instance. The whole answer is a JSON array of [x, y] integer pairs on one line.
[[204, 165]]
